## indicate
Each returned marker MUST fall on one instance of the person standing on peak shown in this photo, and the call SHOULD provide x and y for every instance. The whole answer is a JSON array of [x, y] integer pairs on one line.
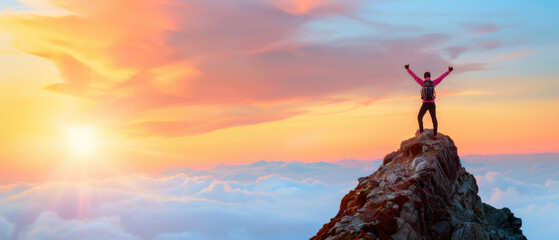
[[428, 97]]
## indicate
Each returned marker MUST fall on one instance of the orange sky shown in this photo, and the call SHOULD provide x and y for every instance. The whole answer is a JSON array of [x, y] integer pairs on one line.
[[177, 84]]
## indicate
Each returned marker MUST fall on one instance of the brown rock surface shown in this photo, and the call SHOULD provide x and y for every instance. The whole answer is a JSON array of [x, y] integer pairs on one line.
[[420, 192]]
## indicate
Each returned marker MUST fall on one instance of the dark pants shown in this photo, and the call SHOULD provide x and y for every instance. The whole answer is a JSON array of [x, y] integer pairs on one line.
[[432, 111]]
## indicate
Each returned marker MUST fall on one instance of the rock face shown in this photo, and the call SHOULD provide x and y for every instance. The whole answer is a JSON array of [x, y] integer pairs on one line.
[[420, 192]]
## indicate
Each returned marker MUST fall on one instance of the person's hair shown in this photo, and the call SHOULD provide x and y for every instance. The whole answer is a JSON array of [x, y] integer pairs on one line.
[[426, 75]]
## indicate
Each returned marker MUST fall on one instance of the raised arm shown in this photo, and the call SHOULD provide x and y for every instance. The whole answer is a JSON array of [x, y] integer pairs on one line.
[[415, 77], [439, 79]]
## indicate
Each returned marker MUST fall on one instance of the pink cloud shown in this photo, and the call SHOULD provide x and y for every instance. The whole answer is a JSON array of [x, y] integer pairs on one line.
[[505, 198], [197, 126], [455, 51], [128, 58], [484, 28], [488, 44]]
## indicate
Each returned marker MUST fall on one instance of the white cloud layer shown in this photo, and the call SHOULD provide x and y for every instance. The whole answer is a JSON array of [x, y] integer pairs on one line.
[[262, 200], [527, 184]]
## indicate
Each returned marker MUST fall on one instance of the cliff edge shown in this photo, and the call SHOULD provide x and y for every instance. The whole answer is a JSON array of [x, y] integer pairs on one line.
[[421, 191]]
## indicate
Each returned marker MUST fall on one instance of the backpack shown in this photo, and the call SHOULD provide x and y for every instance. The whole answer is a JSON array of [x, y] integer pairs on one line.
[[428, 90]]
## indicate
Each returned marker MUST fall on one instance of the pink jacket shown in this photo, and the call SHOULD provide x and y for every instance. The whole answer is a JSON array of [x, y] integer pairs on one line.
[[420, 81]]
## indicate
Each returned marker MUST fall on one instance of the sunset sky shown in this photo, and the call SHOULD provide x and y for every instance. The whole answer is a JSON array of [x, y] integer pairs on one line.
[[105, 87], [161, 119]]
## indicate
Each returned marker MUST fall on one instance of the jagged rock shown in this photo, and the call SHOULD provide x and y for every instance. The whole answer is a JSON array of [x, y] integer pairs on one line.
[[420, 192], [504, 220]]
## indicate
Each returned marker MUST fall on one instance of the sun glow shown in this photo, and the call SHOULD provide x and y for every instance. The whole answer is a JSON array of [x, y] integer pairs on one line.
[[82, 141]]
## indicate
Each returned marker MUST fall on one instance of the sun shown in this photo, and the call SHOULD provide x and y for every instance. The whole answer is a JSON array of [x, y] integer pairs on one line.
[[82, 141]]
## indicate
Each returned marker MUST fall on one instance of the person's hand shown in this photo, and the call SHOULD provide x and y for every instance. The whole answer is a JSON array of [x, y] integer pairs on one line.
[[407, 66], [450, 68]]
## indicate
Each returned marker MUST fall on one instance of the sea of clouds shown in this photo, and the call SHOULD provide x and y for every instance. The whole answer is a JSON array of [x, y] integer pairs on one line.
[[527, 184], [262, 200]]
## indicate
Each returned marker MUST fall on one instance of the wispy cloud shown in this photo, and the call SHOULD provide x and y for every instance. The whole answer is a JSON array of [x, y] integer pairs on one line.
[[484, 28], [131, 57]]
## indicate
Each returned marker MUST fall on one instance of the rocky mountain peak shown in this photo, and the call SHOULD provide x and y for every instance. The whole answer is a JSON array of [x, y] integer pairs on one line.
[[421, 191]]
